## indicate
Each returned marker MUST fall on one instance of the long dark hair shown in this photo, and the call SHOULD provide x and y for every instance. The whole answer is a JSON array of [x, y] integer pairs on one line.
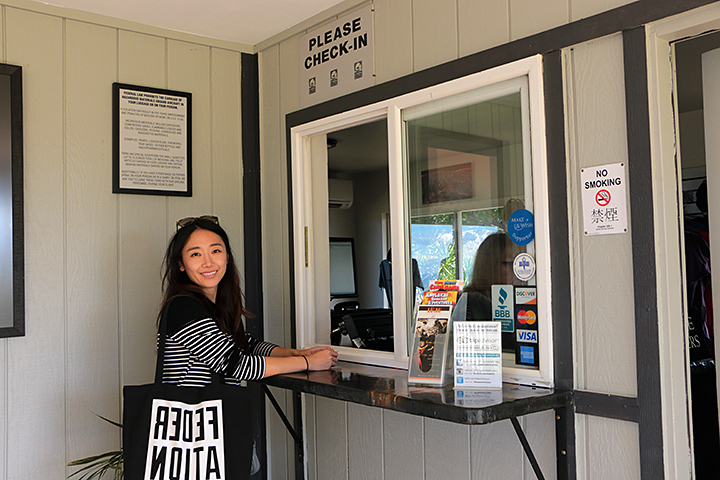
[[490, 255], [228, 309]]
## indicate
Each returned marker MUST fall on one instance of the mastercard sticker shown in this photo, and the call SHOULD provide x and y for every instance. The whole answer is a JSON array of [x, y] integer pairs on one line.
[[525, 317]]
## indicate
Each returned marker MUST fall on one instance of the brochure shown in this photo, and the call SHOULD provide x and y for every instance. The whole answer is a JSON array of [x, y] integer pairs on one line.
[[429, 362], [478, 355]]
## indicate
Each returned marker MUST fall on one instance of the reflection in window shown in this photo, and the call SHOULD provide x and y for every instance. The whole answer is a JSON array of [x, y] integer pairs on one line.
[[467, 174]]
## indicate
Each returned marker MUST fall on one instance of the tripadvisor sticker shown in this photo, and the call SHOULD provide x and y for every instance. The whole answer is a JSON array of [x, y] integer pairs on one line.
[[521, 227], [524, 267]]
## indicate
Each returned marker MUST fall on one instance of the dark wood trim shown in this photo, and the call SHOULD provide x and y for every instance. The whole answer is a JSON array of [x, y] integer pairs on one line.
[[252, 227], [18, 218], [643, 251], [606, 405], [560, 257]]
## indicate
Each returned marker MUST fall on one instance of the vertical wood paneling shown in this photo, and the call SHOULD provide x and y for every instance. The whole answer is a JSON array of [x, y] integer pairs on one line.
[[435, 39], [539, 429], [496, 452], [403, 445], [586, 8], [189, 71], [393, 26], [92, 258], [605, 332], [482, 25], [447, 450], [226, 146], [310, 435], [274, 247], [289, 101], [528, 17], [332, 439], [36, 409], [142, 228], [611, 449], [365, 446], [91, 270]]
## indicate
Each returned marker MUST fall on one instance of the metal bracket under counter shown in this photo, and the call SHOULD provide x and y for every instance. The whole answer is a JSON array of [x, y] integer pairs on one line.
[[388, 388]]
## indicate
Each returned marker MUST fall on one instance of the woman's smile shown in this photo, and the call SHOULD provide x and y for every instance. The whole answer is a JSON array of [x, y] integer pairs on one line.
[[204, 259]]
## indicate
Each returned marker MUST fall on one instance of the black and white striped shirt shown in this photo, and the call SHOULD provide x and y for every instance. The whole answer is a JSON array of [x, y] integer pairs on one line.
[[195, 344]]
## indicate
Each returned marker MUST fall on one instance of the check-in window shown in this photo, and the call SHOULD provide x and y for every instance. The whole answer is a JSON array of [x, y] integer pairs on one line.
[[456, 191]]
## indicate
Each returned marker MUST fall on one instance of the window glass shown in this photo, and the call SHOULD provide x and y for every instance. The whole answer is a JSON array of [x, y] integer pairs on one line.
[[467, 175], [425, 186]]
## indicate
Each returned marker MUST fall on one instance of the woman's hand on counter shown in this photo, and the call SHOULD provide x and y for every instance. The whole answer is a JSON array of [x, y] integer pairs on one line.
[[320, 358]]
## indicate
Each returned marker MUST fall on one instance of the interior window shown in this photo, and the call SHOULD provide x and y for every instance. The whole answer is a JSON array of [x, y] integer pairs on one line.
[[467, 175], [438, 184], [358, 198]]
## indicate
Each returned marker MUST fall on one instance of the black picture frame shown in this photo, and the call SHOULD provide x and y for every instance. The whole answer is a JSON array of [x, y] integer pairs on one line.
[[159, 131], [11, 161]]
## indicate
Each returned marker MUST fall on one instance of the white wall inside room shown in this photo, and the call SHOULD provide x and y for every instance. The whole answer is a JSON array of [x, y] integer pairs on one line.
[[406, 41], [92, 259]]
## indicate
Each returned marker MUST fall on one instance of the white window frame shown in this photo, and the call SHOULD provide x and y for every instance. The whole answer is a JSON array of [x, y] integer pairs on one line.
[[305, 195]]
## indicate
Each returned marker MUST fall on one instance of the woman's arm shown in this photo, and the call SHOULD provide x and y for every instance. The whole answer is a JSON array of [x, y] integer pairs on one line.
[[289, 360]]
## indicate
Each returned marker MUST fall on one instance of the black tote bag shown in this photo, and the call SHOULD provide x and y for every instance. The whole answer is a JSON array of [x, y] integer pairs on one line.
[[186, 433]]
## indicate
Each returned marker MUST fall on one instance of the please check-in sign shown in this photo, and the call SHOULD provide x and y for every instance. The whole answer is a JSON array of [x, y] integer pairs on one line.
[[604, 199]]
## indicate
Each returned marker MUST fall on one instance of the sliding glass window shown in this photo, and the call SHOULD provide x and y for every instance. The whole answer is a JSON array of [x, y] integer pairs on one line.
[[445, 183]]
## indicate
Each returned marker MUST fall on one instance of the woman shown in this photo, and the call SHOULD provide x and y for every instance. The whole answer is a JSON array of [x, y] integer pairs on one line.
[[204, 307], [493, 266]]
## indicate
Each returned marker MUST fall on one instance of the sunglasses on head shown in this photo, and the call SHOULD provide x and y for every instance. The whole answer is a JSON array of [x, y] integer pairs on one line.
[[184, 222]]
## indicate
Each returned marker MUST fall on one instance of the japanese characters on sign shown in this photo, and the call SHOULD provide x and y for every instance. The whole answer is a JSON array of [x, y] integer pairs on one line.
[[604, 199]]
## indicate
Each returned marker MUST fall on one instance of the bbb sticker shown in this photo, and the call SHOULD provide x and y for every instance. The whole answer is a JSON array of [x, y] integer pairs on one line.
[[502, 306], [524, 267]]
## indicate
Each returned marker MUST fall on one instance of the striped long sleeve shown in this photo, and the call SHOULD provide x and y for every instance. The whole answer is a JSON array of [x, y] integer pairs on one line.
[[195, 345]]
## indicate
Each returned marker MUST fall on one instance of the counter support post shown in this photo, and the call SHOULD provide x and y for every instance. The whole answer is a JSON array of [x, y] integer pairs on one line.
[[526, 447], [278, 409]]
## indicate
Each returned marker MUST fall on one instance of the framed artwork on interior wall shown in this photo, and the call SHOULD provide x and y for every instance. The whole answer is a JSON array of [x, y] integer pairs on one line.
[[12, 240], [152, 141], [445, 184]]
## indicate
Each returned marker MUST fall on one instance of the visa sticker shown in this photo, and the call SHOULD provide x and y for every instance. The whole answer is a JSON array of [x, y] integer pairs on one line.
[[527, 336]]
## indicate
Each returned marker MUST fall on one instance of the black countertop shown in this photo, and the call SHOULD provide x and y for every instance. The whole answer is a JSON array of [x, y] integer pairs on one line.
[[388, 388]]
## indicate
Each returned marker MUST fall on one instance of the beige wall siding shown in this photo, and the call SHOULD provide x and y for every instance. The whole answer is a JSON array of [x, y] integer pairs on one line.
[[411, 35], [607, 448], [92, 259], [603, 295]]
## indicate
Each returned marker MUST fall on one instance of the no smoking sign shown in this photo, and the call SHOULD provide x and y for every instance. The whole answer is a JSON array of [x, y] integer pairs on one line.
[[604, 199]]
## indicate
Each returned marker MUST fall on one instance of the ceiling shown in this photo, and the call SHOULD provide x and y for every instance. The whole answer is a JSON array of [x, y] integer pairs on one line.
[[242, 21]]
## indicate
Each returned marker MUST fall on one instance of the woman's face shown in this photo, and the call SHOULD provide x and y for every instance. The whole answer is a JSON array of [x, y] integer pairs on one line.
[[204, 259]]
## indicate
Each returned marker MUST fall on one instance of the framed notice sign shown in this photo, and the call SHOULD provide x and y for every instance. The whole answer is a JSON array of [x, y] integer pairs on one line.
[[151, 141]]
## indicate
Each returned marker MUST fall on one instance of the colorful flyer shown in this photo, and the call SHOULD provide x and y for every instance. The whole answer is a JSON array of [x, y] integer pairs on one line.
[[440, 297], [478, 355], [429, 362]]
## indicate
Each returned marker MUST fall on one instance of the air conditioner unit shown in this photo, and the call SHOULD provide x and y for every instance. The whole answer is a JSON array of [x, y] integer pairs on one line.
[[340, 193]]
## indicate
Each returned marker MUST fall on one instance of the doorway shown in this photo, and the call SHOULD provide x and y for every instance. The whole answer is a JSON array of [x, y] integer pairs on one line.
[[698, 169]]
